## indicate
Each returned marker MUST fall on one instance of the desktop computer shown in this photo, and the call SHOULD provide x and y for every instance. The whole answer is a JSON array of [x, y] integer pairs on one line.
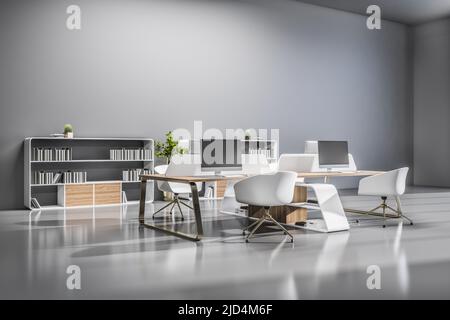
[[221, 155], [333, 154]]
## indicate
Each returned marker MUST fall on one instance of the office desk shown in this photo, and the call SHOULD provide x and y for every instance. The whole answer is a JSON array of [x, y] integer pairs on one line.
[[329, 174], [297, 213], [192, 181], [286, 214]]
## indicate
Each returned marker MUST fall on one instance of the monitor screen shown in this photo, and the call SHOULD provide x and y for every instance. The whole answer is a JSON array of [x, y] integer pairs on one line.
[[333, 154], [221, 154]]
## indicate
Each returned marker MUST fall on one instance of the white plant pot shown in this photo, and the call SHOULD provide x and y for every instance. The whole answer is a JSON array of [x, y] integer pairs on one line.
[[68, 135]]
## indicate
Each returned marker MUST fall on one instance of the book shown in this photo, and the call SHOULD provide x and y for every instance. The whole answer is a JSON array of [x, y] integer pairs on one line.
[[35, 203], [56, 177]]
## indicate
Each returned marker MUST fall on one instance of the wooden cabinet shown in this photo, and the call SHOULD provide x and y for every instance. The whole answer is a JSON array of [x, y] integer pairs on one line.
[[89, 194], [79, 195], [221, 186], [107, 193]]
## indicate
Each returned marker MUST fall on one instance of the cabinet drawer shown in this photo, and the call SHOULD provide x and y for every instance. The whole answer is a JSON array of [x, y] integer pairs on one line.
[[79, 195], [107, 193], [221, 186]]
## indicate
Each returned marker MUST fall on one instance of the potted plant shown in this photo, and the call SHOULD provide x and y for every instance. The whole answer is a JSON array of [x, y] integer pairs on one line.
[[168, 148], [165, 150], [248, 134], [68, 131]]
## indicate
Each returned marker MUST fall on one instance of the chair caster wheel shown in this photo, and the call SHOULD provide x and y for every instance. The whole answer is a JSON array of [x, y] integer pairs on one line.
[[243, 233], [357, 221], [246, 240], [182, 219], [411, 223], [292, 240], [284, 233], [384, 226]]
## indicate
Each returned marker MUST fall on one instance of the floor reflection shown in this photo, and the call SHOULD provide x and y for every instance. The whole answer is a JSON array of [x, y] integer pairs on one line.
[[119, 259], [401, 261]]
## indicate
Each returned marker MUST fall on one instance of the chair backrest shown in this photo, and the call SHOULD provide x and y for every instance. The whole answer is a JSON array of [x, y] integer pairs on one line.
[[267, 189], [161, 170], [183, 165], [299, 162], [400, 184], [391, 183]]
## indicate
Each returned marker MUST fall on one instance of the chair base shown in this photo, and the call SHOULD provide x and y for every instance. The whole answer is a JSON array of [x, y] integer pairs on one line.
[[266, 217], [398, 213], [175, 202]]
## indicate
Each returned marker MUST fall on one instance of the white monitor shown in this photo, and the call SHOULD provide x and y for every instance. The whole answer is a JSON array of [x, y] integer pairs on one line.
[[311, 147], [333, 154]]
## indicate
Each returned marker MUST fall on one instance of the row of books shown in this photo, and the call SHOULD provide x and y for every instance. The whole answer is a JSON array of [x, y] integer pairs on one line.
[[130, 154], [49, 177], [49, 154], [133, 174], [266, 152]]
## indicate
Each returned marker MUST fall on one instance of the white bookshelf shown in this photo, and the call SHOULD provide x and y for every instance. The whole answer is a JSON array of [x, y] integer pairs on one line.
[[90, 160], [89, 155]]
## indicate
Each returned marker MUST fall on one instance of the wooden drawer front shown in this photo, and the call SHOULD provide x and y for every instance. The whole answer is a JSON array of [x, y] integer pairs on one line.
[[107, 193], [79, 195], [221, 187]]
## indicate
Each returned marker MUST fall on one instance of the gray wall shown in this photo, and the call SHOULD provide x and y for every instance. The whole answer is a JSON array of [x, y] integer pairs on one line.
[[143, 67], [432, 103]]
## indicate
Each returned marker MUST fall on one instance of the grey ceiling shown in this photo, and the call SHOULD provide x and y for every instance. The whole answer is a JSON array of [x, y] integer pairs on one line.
[[405, 11]]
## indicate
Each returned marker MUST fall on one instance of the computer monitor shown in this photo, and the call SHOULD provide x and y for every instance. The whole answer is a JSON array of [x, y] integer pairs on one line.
[[333, 154], [221, 155]]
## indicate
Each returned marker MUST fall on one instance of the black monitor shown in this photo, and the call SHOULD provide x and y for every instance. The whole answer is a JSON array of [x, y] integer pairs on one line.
[[333, 154], [221, 155]]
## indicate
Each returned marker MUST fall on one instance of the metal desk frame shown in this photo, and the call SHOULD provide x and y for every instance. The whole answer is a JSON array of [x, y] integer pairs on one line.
[[192, 182]]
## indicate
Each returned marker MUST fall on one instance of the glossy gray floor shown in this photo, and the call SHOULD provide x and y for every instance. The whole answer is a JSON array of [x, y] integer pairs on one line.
[[120, 261]]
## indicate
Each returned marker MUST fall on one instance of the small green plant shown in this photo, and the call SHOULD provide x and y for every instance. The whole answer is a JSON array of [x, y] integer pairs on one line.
[[68, 128], [168, 148]]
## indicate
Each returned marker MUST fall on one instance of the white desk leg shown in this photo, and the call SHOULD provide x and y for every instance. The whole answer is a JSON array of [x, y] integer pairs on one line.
[[333, 215], [229, 203]]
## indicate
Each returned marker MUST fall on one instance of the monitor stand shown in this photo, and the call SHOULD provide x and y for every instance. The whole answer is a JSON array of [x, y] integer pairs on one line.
[[218, 173]]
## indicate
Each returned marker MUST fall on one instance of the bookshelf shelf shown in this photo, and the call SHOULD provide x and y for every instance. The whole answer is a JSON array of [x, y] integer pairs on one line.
[[87, 182], [93, 158], [90, 160]]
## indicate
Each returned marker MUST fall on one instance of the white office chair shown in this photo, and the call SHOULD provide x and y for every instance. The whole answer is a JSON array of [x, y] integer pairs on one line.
[[266, 190], [297, 162], [180, 165], [387, 184]]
